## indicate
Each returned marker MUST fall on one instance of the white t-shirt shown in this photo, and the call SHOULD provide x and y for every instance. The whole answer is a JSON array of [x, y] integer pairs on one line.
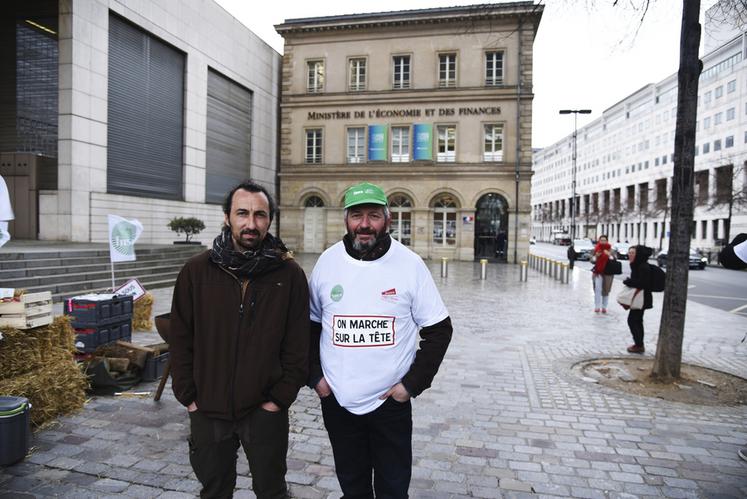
[[371, 313]]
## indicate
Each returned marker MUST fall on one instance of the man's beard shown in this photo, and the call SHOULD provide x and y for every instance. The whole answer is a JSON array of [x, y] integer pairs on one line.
[[243, 245], [361, 246]]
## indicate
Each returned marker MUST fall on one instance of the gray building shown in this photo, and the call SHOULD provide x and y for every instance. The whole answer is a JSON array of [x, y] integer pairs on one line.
[[146, 110]]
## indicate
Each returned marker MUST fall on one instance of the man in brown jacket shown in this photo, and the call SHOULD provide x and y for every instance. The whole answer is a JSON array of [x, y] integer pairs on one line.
[[239, 344]]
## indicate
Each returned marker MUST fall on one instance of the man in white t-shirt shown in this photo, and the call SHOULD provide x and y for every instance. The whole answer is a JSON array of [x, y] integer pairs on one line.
[[371, 297]]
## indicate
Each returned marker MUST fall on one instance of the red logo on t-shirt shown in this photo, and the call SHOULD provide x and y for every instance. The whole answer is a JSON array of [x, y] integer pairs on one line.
[[389, 292]]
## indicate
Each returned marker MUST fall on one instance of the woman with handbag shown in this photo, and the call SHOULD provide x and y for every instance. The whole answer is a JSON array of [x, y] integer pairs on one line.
[[640, 278], [601, 280]]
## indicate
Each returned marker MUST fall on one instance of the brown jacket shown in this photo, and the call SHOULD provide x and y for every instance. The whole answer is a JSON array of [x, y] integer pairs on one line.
[[233, 349]]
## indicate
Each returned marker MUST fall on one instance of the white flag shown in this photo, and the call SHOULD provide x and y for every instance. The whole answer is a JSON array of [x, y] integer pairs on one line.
[[122, 236]]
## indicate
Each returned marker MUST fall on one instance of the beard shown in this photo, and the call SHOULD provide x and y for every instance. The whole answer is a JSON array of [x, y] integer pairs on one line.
[[242, 244], [366, 246]]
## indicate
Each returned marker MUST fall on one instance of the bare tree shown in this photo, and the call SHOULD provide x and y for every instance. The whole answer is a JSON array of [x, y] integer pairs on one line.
[[668, 361], [731, 192]]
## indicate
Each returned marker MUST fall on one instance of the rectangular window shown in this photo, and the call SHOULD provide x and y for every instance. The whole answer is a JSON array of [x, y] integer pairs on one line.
[[447, 70], [703, 229], [717, 145], [707, 123], [493, 68], [656, 161], [356, 145], [717, 119], [314, 145], [729, 142], [707, 97], [315, 76], [730, 114], [357, 79], [145, 130], [731, 86], [446, 144], [400, 144], [706, 148], [401, 73], [718, 92], [493, 143]]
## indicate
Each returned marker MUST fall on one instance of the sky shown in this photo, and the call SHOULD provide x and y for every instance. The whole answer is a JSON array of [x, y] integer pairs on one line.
[[588, 54]]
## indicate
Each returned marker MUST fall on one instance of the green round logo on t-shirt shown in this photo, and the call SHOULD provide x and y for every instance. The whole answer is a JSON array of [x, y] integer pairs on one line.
[[336, 293]]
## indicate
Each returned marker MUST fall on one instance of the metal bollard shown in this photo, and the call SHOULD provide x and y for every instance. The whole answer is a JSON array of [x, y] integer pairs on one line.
[[523, 271], [564, 273], [444, 266], [556, 270], [483, 268]]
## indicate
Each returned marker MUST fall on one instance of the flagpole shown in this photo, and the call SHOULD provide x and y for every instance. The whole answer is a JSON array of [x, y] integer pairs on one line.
[[112, 276]]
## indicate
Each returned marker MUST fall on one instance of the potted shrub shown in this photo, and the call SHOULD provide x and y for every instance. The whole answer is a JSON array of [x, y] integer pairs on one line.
[[189, 226]]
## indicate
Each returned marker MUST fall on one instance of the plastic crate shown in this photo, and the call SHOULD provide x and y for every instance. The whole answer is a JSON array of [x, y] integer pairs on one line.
[[97, 310], [154, 366], [88, 339]]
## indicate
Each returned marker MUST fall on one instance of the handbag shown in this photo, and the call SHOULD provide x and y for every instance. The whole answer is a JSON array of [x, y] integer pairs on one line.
[[630, 298], [613, 267]]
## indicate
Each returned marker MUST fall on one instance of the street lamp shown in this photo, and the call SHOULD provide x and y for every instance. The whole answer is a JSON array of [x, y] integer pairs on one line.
[[575, 113]]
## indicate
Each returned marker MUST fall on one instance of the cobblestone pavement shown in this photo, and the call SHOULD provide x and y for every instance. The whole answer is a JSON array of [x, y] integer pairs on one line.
[[505, 418]]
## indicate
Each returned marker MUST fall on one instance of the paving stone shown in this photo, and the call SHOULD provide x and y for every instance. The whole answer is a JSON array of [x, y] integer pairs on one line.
[[510, 484], [109, 486]]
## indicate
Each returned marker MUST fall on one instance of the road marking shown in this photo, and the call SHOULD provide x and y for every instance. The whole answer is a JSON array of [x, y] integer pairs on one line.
[[716, 297], [691, 286], [738, 309]]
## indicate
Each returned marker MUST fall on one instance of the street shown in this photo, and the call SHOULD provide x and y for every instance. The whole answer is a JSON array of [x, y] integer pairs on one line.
[[715, 286]]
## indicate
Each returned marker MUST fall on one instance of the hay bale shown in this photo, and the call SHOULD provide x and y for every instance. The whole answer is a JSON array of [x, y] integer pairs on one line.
[[38, 364], [142, 313], [54, 389]]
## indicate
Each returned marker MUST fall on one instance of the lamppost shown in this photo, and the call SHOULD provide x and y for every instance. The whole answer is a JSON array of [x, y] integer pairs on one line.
[[575, 113]]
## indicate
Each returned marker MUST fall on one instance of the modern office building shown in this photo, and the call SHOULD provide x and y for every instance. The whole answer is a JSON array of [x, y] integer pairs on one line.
[[624, 162], [147, 110], [434, 105]]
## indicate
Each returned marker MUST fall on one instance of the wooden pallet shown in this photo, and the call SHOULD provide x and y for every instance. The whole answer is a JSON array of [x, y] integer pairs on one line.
[[32, 310]]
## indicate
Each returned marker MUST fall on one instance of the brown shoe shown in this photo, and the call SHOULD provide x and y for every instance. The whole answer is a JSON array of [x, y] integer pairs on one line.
[[636, 349]]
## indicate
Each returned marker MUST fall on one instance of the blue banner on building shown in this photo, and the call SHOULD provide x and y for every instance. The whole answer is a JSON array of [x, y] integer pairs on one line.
[[423, 142], [377, 142]]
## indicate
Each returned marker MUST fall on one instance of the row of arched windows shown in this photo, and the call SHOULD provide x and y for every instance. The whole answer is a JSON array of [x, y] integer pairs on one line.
[[444, 207]]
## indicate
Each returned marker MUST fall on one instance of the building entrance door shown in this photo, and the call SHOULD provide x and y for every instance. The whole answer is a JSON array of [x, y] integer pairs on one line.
[[314, 226], [491, 228]]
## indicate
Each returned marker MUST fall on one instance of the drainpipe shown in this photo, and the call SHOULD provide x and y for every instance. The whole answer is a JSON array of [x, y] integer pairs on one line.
[[518, 147]]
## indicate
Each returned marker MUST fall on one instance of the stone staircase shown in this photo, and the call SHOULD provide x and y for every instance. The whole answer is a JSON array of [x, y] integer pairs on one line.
[[70, 272]]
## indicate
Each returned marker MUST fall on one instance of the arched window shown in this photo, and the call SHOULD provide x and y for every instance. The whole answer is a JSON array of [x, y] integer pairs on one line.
[[400, 207], [313, 202], [444, 220]]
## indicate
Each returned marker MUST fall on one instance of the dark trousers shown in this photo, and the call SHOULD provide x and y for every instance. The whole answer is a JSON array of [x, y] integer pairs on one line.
[[378, 442], [212, 452], [635, 323]]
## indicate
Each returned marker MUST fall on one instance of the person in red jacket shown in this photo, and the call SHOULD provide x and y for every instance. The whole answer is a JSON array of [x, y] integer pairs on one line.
[[239, 341], [602, 283]]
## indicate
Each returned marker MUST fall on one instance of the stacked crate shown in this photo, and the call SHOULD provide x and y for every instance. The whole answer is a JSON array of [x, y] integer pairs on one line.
[[99, 319]]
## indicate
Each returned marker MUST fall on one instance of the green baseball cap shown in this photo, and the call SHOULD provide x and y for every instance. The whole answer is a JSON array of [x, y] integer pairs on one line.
[[364, 193]]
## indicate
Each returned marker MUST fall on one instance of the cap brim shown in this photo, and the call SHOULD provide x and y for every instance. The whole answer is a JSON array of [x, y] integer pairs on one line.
[[366, 201]]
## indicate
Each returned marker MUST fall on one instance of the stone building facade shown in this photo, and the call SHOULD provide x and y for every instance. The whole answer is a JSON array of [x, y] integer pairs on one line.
[[434, 105]]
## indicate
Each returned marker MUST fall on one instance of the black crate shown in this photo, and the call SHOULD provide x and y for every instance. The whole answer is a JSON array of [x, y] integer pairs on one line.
[[154, 366], [87, 313], [89, 338]]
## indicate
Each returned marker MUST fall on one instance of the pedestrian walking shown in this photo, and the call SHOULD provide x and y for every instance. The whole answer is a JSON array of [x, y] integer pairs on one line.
[[601, 282], [734, 257], [239, 338], [640, 278], [571, 254], [370, 298]]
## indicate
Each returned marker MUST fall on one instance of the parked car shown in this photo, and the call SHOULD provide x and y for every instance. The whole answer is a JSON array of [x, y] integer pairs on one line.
[[561, 238], [621, 249], [583, 248], [697, 261]]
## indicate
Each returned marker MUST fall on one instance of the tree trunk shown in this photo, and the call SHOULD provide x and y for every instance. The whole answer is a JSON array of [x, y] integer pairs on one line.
[[672, 327]]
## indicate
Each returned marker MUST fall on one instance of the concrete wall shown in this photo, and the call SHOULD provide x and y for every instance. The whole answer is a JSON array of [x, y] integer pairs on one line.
[[210, 37]]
